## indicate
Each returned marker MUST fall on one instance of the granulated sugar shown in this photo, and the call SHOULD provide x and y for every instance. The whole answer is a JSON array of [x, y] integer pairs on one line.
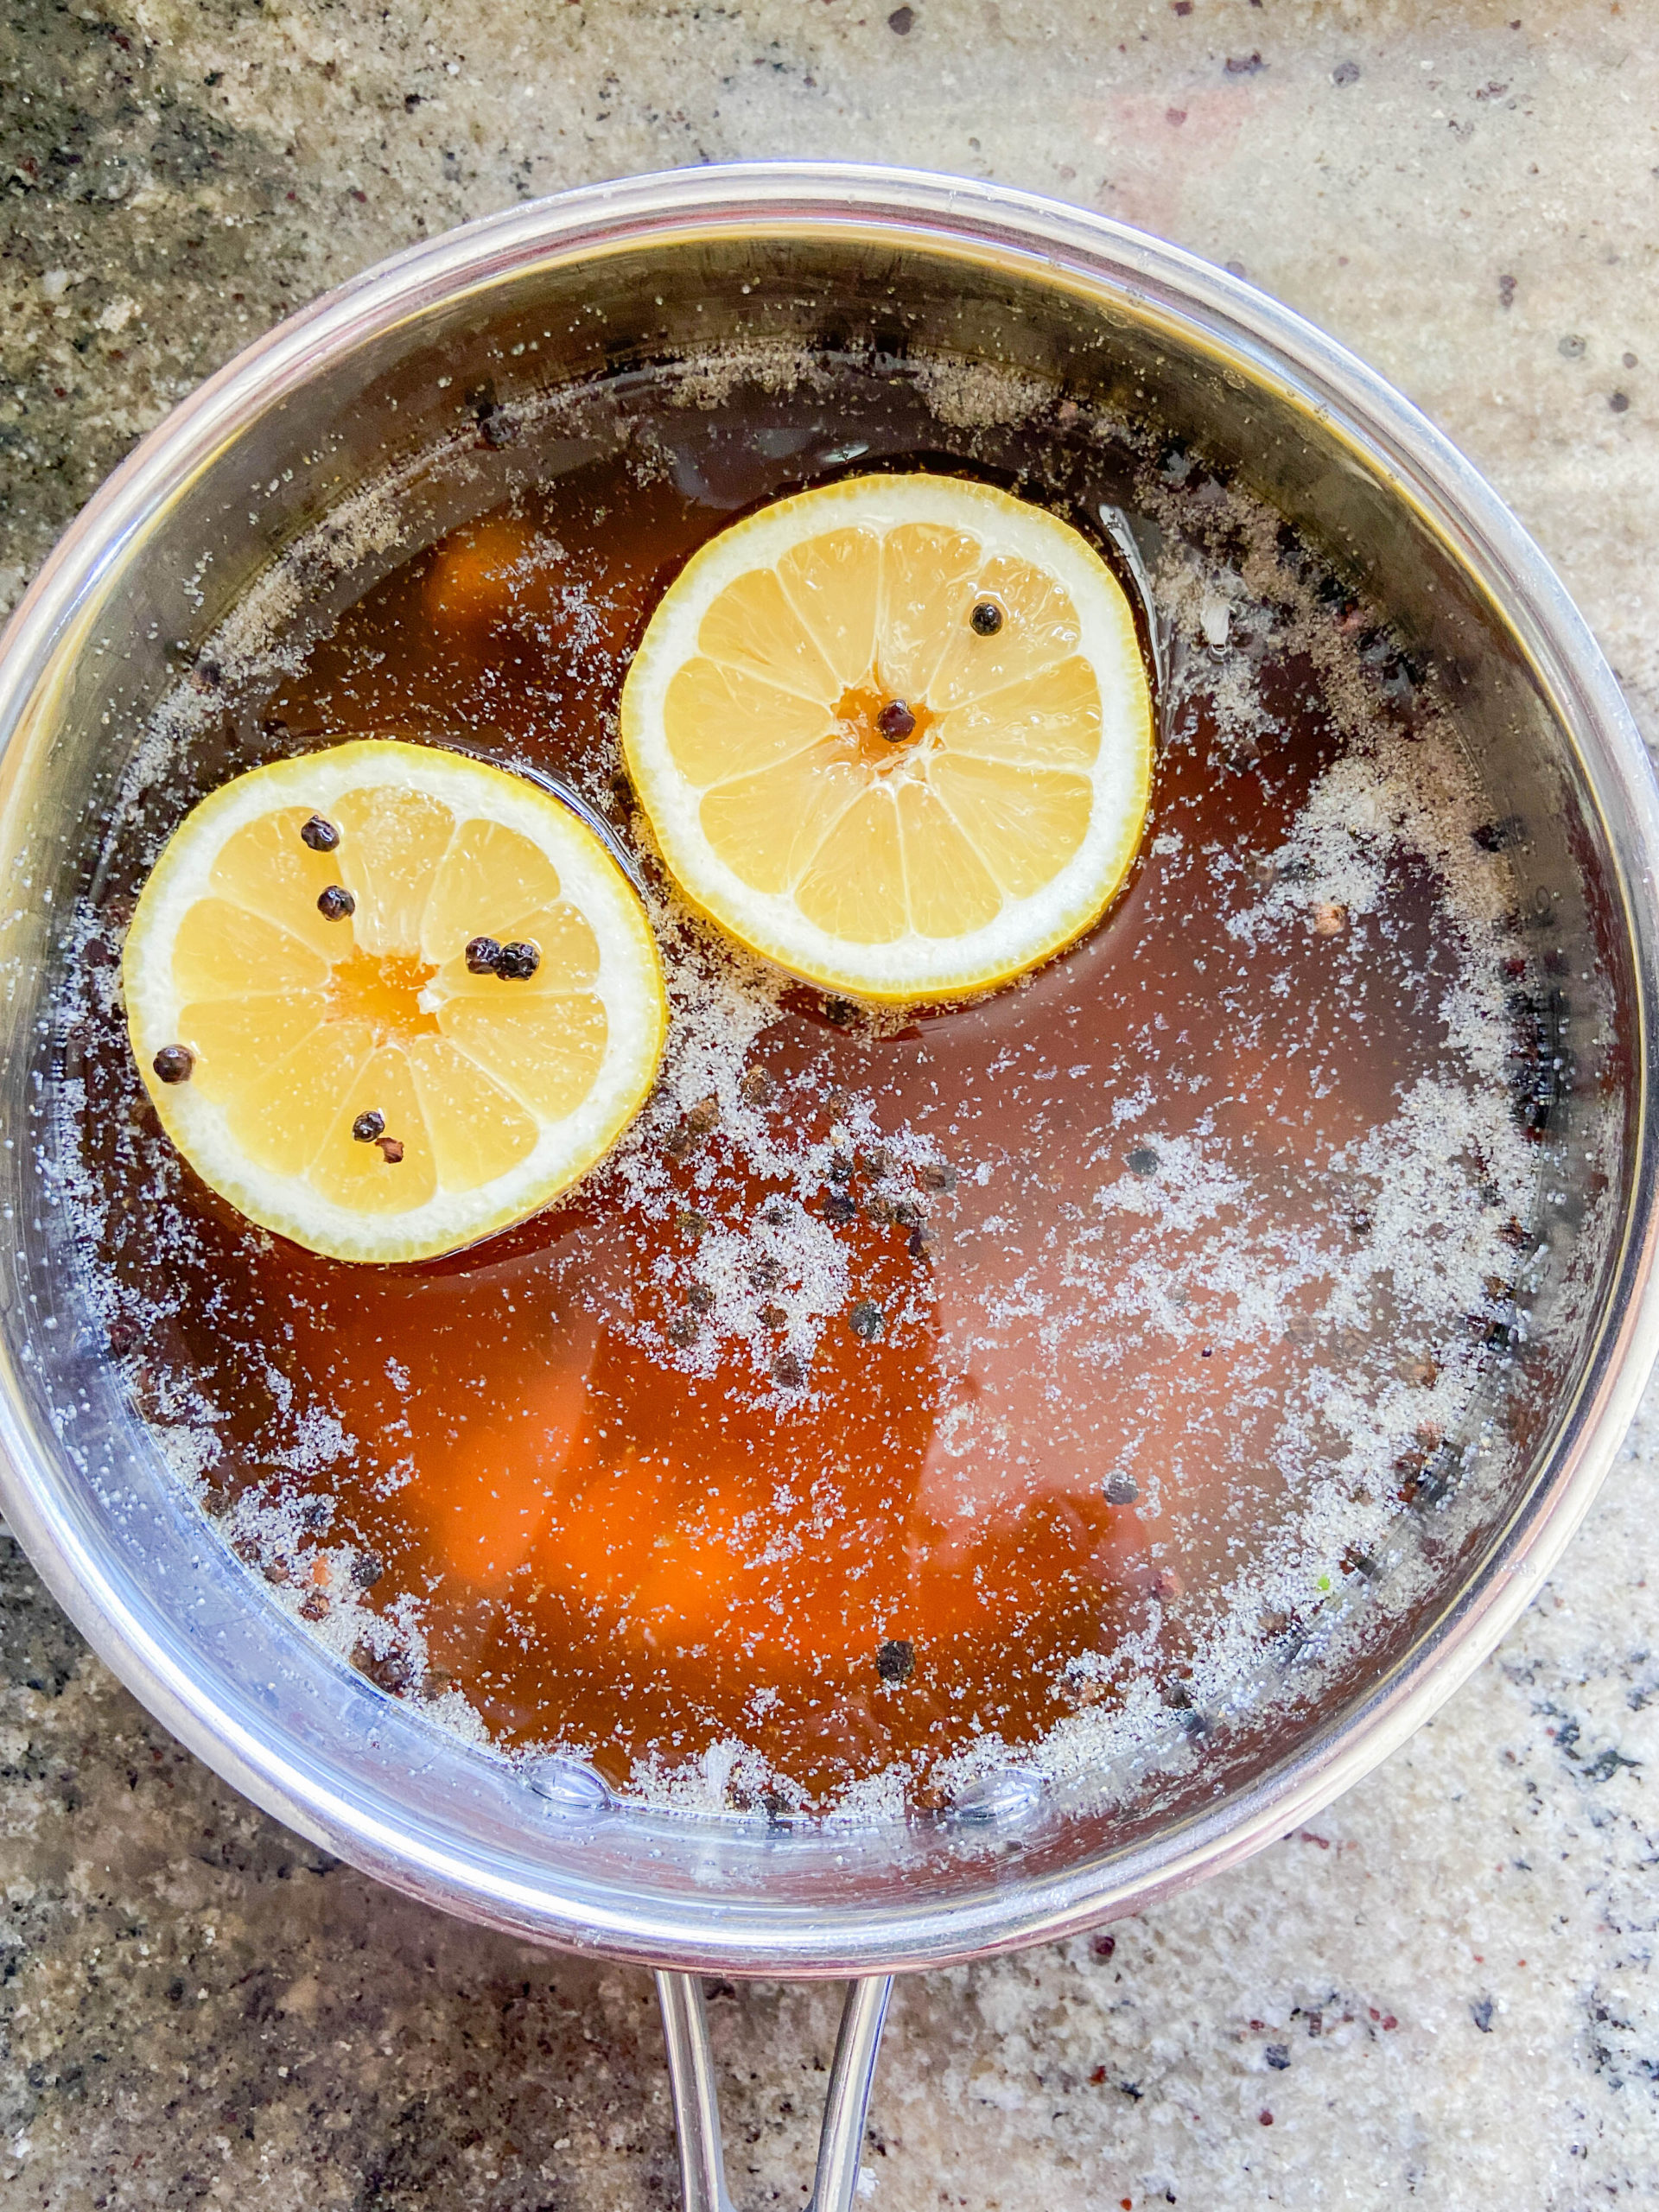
[[1102, 1349]]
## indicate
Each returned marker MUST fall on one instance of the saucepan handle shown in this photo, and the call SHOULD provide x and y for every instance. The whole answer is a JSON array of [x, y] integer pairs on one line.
[[696, 2095]]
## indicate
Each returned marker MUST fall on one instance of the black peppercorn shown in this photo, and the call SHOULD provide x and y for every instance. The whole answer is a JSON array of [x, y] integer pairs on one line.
[[517, 964], [787, 1372], [896, 722], [867, 1321], [319, 833], [369, 1125], [838, 1210], [896, 1662], [394, 1673], [335, 904], [482, 953], [986, 619], [174, 1063]]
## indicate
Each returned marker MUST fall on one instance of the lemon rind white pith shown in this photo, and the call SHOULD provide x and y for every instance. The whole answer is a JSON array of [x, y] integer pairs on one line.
[[912, 969], [629, 985]]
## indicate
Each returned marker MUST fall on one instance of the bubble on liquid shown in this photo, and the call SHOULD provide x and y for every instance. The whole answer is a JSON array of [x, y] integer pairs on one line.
[[1009, 1795], [569, 1788]]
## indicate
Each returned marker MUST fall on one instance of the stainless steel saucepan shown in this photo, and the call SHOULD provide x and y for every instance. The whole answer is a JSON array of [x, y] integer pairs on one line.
[[914, 266]]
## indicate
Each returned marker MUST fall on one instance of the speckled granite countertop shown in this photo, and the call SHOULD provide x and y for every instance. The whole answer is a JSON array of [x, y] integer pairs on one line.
[[1447, 1992]]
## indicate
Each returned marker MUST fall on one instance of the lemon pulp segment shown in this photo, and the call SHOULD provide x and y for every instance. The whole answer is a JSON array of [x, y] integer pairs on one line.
[[310, 1030], [895, 734]]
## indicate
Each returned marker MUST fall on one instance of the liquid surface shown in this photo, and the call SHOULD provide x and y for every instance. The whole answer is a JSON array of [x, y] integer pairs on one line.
[[905, 1392]]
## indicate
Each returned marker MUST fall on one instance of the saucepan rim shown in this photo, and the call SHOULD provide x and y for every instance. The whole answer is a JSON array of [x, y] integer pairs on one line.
[[1067, 246]]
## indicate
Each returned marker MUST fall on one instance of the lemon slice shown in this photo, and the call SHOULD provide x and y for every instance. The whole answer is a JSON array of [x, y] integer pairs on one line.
[[388, 1000], [895, 734]]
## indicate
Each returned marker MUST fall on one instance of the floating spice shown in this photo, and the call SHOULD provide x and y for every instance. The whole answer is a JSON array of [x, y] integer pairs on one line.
[[896, 1660], [517, 962], [694, 1125], [336, 904], [319, 833], [392, 1672], [174, 1063]]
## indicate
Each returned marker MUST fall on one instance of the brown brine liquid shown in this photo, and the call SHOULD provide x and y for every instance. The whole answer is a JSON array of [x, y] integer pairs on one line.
[[905, 1388]]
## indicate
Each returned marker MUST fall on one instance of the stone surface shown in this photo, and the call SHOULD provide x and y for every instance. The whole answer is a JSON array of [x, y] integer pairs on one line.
[[1444, 1992]]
